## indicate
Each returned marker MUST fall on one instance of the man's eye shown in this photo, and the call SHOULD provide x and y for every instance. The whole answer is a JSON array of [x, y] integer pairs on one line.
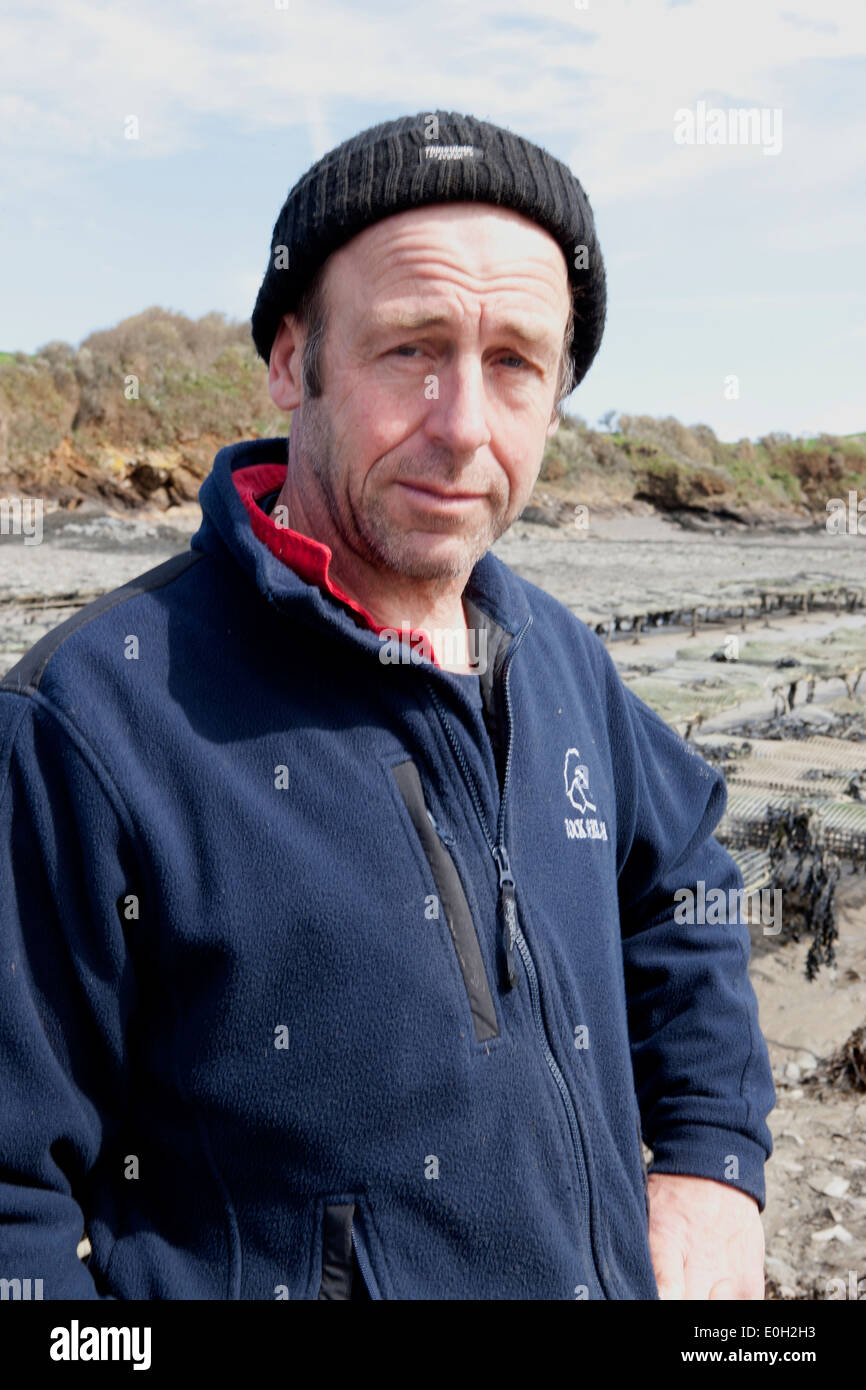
[[404, 348]]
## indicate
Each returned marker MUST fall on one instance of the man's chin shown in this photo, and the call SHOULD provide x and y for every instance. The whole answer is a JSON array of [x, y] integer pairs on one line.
[[435, 558]]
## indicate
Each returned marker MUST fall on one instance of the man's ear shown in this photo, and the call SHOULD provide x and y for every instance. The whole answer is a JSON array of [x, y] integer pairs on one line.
[[284, 366], [553, 426]]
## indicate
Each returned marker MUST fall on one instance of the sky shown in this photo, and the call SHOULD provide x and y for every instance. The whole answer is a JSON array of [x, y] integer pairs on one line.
[[736, 281]]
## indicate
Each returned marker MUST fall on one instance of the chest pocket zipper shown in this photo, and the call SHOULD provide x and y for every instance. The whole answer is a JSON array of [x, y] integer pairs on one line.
[[451, 895]]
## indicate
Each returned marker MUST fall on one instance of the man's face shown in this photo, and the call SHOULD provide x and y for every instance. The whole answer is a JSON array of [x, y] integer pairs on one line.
[[440, 366]]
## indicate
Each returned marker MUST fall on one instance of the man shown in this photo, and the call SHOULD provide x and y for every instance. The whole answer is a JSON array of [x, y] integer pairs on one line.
[[340, 950]]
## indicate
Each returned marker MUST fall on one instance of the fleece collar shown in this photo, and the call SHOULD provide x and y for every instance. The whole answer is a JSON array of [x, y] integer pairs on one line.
[[308, 558], [291, 569]]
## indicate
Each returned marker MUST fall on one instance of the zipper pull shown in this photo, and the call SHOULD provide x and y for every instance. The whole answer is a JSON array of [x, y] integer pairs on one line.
[[444, 835], [507, 912]]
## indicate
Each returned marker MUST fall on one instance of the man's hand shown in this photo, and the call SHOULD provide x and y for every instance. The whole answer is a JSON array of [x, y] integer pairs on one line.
[[706, 1239]]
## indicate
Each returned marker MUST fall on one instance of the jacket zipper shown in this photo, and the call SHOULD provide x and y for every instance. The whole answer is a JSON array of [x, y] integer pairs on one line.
[[506, 905], [508, 909], [363, 1261]]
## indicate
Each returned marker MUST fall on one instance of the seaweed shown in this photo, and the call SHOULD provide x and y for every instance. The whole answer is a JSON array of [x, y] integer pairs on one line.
[[807, 874]]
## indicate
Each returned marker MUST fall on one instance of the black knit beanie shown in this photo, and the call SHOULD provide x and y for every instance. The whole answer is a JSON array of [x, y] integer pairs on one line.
[[439, 157]]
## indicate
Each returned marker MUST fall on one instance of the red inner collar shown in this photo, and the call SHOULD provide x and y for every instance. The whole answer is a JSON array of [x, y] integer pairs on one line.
[[308, 558]]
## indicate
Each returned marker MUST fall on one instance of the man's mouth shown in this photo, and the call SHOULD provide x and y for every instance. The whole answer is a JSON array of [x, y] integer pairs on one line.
[[440, 496]]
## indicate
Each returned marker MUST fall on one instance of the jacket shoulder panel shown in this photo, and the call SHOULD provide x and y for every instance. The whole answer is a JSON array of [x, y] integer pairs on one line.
[[562, 625], [26, 675]]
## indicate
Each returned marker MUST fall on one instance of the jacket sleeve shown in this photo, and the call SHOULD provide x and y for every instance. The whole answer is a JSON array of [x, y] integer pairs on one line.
[[65, 866], [702, 1072]]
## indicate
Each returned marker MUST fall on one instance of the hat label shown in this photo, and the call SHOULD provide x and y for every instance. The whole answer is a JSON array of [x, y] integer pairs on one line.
[[450, 152]]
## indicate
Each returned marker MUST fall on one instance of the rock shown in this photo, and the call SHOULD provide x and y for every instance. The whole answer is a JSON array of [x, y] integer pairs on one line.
[[185, 483], [160, 498], [539, 515], [780, 1271], [833, 1233], [792, 1071], [789, 1134], [675, 487], [829, 1184], [796, 1094], [836, 1187], [807, 1062]]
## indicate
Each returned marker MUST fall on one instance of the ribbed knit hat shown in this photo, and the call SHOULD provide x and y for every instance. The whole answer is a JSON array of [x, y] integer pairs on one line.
[[438, 157]]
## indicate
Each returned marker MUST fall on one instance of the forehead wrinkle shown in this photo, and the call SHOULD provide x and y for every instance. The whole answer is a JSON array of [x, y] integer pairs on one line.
[[443, 241], [414, 304], [420, 272], [530, 272], [450, 233]]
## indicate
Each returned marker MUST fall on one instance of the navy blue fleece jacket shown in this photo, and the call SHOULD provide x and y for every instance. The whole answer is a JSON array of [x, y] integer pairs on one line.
[[320, 978]]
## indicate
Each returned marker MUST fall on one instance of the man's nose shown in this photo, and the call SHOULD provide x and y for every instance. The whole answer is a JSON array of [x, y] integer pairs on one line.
[[457, 416]]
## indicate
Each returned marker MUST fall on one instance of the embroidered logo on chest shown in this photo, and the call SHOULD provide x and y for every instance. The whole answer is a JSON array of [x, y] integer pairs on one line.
[[587, 825]]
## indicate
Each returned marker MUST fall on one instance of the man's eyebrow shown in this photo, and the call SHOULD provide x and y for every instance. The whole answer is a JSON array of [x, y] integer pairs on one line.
[[414, 321]]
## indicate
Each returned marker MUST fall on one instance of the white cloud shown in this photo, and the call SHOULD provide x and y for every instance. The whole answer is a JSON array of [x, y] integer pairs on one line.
[[70, 83], [601, 85]]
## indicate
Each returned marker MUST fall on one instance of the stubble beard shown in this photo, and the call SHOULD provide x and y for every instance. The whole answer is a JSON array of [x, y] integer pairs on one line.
[[371, 530]]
